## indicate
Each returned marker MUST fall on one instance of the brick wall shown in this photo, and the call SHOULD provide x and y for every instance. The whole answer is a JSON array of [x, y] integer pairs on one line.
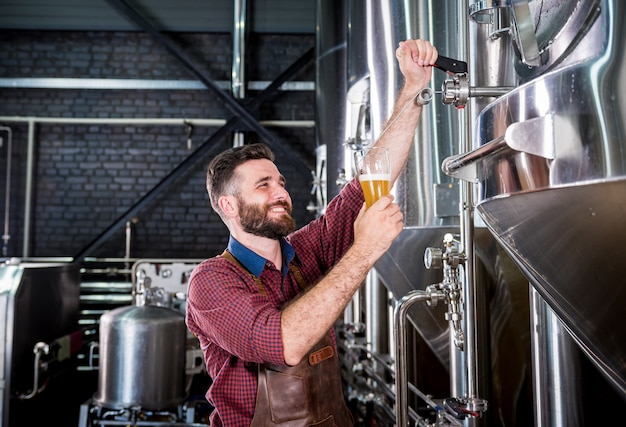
[[88, 175]]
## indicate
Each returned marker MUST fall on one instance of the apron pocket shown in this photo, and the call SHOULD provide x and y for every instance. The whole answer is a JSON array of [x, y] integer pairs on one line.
[[327, 422], [287, 396]]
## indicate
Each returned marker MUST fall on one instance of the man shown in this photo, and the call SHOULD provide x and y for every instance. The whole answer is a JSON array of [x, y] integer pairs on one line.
[[264, 310]]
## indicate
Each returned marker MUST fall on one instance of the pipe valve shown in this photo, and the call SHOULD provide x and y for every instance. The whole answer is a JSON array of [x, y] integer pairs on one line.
[[457, 90], [449, 258]]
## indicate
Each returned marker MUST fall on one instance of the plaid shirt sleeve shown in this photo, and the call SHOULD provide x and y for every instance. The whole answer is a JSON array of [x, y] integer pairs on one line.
[[225, 308], [321, 244]]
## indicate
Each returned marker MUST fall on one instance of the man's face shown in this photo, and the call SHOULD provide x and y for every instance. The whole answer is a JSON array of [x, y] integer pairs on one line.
[[261, 220], [264, 203]]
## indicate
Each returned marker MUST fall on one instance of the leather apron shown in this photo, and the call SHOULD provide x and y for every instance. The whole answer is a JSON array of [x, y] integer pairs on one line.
[[307, 394]]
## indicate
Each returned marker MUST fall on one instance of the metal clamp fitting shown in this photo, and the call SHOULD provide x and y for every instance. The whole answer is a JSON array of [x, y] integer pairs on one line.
[[424, 96]]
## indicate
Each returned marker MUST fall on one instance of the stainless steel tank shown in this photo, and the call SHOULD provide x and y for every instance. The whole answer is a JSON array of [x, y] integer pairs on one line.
[[550, 166], [546, 174], [39, 303], [142, 358], [428, 198]]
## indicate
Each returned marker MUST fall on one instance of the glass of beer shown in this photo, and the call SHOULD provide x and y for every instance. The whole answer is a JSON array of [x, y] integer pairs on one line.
[[374, 172]]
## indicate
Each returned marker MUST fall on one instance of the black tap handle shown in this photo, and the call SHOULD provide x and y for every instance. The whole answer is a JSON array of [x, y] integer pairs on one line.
[[450, 66]]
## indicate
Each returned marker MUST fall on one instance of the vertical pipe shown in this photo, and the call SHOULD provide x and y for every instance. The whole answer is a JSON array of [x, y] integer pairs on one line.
[[458, 359], [555, 368], [477, 349], [390, 325], [128, 240], [353, 315], [493, 69], [467, 242], [30, 162], [375, 313], [331, 77], [7, 195], [238, 77], [401, 339]]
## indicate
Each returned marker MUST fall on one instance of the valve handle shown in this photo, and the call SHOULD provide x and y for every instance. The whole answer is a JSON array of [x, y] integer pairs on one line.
[[450, 66]]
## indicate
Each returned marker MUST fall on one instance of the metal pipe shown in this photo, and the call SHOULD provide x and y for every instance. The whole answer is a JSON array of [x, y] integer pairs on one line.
[[455, 165], [458, 363], [335, 25], [489, 91], [375, 303], [556, 370], [400, 333], [383, 385], [128, 239], [148, 121], [32, 121], [391, 344], [7, 196], [473, 297], [469, 288], [434, 405], [28, 193], [137, 84], [375, 356], [350, 314], [469, 293], [238, 70], [458, 91], [476, 352], [40, 349]]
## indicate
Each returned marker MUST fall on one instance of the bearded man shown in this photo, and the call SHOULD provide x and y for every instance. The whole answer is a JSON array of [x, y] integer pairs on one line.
[[264, 310]]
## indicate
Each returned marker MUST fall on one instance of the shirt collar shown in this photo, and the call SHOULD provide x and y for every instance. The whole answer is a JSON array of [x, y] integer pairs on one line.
[[254, 262]]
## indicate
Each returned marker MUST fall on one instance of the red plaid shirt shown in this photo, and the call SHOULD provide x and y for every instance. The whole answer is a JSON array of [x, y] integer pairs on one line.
[[239, 328]]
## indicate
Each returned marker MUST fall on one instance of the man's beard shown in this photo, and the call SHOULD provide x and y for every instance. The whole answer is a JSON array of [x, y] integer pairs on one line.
[[254, 220]]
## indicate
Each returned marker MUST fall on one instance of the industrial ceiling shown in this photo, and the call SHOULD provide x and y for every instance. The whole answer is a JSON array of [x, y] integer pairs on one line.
[[265, 16]]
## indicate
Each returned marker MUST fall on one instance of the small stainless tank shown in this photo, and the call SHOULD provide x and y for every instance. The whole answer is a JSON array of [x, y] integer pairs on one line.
[[142, 358]]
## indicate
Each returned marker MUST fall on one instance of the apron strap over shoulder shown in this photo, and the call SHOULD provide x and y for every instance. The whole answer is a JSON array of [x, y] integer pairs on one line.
[[235, 261], [294, 270]]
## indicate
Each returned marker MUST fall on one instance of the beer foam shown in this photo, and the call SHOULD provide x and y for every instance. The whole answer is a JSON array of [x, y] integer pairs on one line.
[[374, 177]]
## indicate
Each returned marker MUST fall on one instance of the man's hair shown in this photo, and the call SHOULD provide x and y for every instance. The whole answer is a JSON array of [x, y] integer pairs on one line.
[[220, 175]]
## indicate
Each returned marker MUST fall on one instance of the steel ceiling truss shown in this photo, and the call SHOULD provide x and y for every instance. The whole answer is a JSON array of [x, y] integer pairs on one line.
[[241, 115]]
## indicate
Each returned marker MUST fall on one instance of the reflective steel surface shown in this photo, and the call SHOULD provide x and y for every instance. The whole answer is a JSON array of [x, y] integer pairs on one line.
[[142, 358], [402, 270], [38, 303], [567, 241], [428, 198], [550, 168]]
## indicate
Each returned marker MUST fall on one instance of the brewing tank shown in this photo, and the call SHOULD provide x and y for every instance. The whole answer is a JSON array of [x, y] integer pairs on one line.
[[549, 166], [142, 358]]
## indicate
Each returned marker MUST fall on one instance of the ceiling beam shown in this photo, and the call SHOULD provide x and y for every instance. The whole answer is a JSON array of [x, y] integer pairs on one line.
[[208, 147], [240, 111]]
